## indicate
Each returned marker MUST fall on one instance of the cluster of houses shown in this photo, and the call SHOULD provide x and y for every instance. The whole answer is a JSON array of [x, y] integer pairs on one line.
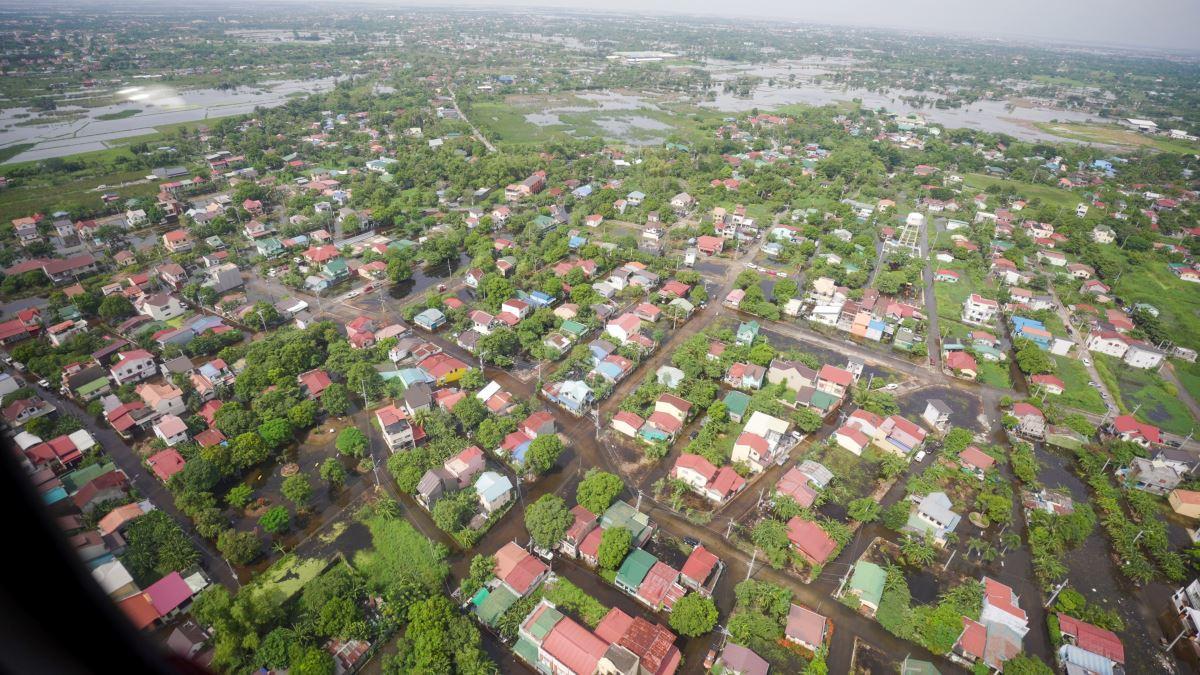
[[873, 317]]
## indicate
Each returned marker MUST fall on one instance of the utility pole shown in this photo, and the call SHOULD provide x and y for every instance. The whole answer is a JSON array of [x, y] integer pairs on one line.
[[753, 558], [729, 529], [639, 501], [1062, 584]]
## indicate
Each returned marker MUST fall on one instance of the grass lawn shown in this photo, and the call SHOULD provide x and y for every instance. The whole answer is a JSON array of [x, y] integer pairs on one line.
[[950, 296], [1113, 134], [1158, 401], [1052, 196], [1189, 375], [289, 575], [995, 374], [1079, 394]]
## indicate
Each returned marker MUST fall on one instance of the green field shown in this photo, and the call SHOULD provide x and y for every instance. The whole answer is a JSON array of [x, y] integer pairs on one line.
[[1079, 394], [575, 117], [1158, 400], [1049, 195], [994, 374], [950, 296], [1112, 134], [1189, 375]]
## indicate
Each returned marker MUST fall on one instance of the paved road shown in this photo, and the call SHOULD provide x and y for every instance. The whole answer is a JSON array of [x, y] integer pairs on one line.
[[148, 485], [933, 335]]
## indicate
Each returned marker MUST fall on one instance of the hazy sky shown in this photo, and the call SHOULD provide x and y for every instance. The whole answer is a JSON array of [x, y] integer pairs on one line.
[[1167, 24]]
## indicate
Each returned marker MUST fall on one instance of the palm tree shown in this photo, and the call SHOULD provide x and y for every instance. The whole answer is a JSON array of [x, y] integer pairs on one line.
[[918, 552], [975, 546]]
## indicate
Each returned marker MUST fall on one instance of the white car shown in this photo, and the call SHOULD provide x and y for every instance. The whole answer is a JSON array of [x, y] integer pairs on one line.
[[1087, 362], [920, 456], [352, 295], [891, 386], [782, 275]]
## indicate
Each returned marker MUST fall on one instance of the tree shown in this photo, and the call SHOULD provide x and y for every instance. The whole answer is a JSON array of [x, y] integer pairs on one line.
[[156, 546], [233, 420], [1031, 359], [198, 475], [333, 472], [298, 489], [694, 615], [598, 490], [864, 509], [239, 496], [303, 414], [248, 449], [276, 432], [917, 551], [547, 520], [239, 547], [470, 412], [483, 568], [275, 650], [114, 307], [336, 399], [451, 512], [1026, 665], [352, 442], [276, 520], [808, 420], [543, 453], [615, 543], [312, 661]]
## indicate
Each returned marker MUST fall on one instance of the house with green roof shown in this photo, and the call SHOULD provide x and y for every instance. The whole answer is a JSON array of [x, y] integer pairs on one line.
[[621, 514], [269, 247], [533, 631], [573, 328], [77, 479], [92, 389], [747, 332], [867, 583], [336, 269], [634, 570], [737, 403], [494, 604], [544, 222]]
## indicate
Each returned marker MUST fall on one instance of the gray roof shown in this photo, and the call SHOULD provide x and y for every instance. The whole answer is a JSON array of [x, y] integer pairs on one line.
[[816, 472], [939, 405], [938, 506]]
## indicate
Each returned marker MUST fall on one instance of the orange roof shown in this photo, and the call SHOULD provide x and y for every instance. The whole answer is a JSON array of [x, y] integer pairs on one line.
[[139, 610]]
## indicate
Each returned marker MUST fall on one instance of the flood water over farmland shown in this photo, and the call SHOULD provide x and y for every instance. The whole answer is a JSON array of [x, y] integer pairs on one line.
[[797, 82], [73, 129]]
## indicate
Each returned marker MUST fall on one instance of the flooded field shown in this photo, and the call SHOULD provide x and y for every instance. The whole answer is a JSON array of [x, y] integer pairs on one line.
[[798, 82], [156, 105]]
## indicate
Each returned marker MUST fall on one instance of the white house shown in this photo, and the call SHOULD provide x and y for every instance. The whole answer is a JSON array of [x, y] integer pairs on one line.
[[979, 310]]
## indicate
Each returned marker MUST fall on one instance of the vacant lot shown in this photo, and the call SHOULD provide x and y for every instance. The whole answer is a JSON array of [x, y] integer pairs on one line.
[[1158, 400], [1178, 301], [1112, 134], [1049, 195], [1079, 394]]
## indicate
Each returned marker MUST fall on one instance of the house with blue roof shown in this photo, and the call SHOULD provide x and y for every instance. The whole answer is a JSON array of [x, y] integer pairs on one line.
[[540, 299], [576, 242], [574, 395], [430, 319], [494, 490], [583, 190], [1031, 329], [600, 350]]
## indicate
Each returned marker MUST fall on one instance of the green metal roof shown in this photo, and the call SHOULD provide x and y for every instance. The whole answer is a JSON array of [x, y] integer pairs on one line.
[[823, 400], [479, 597], [573, 327], [637, 564], [868, 581], [916, 667], [92, 386], [540, 627], [621, 514], [526, 650], [737, 403], [77, 479], [495, 604]]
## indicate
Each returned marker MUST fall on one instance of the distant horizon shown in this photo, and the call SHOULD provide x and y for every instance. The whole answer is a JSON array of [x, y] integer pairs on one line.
[[1118, 29]]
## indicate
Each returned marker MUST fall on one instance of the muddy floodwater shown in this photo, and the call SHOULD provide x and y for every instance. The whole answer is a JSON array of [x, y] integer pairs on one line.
[[84, 129]]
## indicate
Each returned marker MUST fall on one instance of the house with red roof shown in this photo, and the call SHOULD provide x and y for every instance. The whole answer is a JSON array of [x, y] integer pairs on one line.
[[1030, 421], [852, 438], [1048, 383], [166, 463], [701, 571], [710, 245], [518, 569], [138, 609], [133, 366], [660, 589], [833, 380], [169, 595], [976, 461], [717, 485], [1091, 638], [806, 628], [1128, 428], [584, 522], [59, 453], [795, 484], [627, 423], [962, 365], [110, 485], [651, 645], [443, 368], [313, 383], [810, 541], [899, 435], [624, 327]]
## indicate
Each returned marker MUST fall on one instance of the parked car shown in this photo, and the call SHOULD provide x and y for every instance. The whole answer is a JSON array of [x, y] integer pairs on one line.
[[691, 541], [1087, 362], [43, 383], [891, 386], [920, 456]]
